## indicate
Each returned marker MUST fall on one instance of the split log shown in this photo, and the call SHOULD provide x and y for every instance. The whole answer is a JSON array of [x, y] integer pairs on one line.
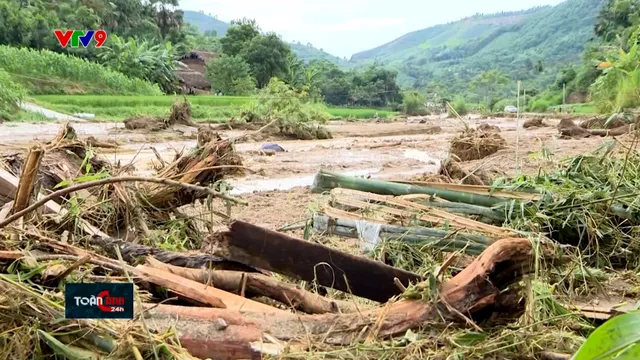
[[203, 293], [28, 178], [474, 292], [303, 260], [131, 252], [261, 285]]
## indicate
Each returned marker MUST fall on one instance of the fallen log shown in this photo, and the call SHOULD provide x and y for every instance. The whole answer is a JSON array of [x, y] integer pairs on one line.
[[132, 252], [303, 260], [290, 295], [474, 292]]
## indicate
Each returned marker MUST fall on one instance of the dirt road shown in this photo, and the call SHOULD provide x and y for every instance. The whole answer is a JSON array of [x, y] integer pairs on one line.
[[383, 150]]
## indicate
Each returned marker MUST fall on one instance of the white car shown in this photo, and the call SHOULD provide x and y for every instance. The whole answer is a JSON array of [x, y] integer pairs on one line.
[[510, 109]]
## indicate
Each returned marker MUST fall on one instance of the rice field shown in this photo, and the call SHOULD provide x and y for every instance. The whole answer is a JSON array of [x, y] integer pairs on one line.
[[208, 108]]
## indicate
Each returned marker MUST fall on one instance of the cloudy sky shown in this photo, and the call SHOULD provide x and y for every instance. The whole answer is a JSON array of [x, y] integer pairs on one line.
[[345, 27]]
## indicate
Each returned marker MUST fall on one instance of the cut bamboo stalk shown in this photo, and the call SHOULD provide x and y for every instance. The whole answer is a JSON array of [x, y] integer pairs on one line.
[[325, 181], [475, 189], [435, 216], [28, 178], [440, 239]]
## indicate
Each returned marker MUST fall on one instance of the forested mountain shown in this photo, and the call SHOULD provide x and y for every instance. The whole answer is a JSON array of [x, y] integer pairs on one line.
[[307, 52], [529, 45], [206, 22]]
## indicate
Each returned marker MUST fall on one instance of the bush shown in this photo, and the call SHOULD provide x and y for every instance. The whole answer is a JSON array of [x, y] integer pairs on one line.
[[11, 94], [460, 106], [295, 118], [539, 105], [46, 72], [413, 104], [500, 105]]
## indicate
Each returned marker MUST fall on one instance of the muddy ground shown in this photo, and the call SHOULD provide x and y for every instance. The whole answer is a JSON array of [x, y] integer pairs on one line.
[[276, 185]]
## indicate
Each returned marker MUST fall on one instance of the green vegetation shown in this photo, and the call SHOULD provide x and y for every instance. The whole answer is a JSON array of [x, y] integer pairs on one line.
[[142, 60], [208, 24], [46, 72], [413, 103], [230, 74], [11, 94], [210, 108], [523, 45], [460, 107]]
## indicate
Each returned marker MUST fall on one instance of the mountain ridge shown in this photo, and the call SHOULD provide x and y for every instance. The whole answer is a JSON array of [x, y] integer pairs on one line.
[[513, 42]]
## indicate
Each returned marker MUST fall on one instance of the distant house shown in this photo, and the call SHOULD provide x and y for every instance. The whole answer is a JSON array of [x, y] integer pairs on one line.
[[191, 72]]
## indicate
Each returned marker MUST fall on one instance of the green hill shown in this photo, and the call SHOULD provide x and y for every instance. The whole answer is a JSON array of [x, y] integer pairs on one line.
[[307, 53], [515, 43], [205, 22]]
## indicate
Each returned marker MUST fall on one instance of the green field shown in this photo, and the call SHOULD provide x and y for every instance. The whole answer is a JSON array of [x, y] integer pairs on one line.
[[203, 108]]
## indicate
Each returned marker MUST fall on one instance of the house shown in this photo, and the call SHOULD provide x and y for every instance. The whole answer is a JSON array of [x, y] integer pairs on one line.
[[191, 72]]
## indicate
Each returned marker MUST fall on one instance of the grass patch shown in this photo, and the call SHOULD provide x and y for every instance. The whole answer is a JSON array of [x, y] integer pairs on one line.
[[360, 113], [28, 117], [204, 108]]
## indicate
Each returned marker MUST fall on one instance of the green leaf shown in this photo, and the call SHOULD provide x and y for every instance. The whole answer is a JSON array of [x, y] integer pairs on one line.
[[617, 338]]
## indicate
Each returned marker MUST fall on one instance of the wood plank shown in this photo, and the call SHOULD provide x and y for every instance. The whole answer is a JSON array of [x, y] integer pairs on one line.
[[299, 259]]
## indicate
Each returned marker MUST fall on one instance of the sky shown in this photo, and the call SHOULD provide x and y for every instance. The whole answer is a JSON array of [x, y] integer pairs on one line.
[[345, 27]]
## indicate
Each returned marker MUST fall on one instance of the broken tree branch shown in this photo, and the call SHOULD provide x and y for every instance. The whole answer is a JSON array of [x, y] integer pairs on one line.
[[277, 252], [100, 182], [474, 291], [261, 285]]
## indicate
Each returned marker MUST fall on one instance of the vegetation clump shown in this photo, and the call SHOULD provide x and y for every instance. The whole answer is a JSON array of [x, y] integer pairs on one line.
[[294, 115], [476, 144]]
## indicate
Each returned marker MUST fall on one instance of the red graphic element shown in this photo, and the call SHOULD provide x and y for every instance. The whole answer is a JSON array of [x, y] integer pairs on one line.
[[106, 302], [64, 37], [100, 36]]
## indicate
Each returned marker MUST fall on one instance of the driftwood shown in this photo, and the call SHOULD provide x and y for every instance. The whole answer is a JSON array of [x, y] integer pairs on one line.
[[303, 260], [258, 284], [131, 252], [473, 293]]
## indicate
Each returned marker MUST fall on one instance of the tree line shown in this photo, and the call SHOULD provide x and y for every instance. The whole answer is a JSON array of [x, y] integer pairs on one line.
[[147, 38]]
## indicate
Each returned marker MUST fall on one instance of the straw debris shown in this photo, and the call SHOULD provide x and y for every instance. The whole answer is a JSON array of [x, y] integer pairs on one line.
[[476, 144]]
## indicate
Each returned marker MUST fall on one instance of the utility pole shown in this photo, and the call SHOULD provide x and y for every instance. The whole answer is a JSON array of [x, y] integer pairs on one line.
[[564, 94]]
